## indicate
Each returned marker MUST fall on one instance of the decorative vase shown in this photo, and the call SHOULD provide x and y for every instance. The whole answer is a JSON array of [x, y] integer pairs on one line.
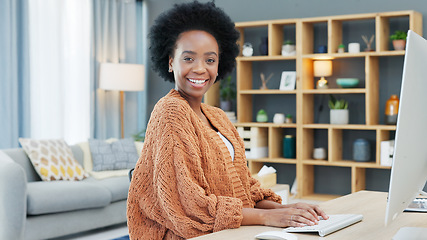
[[399, 44], [225, 106], [354, 47], [288, 50], [261, 116], [323, 49], [361, 150], [247, 50], [289, 146], [319, 153], [263, 47], [279, 118], [339, 116], [391, 110]]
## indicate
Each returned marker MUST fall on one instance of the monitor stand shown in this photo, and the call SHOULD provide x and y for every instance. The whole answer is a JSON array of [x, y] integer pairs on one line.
[[413, 233]]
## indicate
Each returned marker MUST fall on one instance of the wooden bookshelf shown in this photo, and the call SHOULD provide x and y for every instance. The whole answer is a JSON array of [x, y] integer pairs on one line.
[[305, 93]]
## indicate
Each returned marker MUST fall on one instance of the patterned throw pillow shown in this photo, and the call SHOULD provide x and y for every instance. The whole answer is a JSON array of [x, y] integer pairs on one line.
[[117, 155], [53, 159]]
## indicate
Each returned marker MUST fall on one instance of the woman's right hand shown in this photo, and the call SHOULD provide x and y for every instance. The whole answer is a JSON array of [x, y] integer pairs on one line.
[[279, 217], [288, 217]]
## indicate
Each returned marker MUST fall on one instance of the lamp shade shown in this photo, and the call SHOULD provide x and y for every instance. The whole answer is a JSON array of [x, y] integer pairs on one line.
[[322, 68], [121, 76]]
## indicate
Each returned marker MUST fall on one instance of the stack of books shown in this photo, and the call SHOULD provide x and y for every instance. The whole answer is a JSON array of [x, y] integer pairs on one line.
[[231, 116]]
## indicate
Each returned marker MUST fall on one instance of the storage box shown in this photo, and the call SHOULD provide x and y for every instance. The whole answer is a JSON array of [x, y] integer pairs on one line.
[[266, 181], [255, 140], [283, 191]]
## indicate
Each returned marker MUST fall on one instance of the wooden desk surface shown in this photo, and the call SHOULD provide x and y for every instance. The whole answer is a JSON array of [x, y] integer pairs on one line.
[[371, 204]]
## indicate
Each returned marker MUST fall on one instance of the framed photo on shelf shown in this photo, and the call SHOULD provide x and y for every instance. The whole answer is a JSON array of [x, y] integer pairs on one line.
[[287, 81]]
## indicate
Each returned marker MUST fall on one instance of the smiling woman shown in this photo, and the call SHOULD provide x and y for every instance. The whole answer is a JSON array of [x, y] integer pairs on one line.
[[192, 177]]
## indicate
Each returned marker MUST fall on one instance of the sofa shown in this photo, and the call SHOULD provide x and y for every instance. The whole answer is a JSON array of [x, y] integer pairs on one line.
[[34, 209]]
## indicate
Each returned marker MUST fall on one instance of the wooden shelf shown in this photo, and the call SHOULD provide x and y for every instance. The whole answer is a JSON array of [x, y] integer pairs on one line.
[[351, 126], [354, 55], [274, 160], [265, 58], [335, 91], [267, 124], [305, 93], [269, 91], [344, 163]]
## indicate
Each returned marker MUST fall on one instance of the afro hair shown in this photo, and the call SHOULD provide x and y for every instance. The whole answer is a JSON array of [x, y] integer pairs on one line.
[[193, 16]]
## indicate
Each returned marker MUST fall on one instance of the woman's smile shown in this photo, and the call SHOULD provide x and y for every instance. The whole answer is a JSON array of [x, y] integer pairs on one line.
[[198, 82]]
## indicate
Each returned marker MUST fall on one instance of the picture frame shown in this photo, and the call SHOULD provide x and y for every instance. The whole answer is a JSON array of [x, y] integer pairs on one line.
[[287, 81]]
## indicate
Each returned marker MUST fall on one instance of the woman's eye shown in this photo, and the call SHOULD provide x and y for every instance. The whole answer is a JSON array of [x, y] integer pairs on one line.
[[211, 60], [187, 59]]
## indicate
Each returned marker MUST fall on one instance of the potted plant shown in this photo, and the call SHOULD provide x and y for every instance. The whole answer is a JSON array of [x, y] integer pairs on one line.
[[339, 110], [288, 48], [398, 39], [140, 136], [227, 93], [341, 48]]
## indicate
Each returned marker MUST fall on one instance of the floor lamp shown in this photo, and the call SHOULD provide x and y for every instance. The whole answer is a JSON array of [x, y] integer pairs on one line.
[[121, 77]]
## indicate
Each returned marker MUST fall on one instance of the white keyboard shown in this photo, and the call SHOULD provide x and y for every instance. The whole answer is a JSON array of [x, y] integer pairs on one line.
[[325, 227]]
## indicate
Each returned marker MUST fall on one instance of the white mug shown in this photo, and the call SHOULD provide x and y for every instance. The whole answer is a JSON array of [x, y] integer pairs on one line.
[[279, 118], [319, 153], [353, 47]]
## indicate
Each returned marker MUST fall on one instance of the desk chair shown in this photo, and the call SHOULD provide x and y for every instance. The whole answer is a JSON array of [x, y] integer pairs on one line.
[[130, 174]]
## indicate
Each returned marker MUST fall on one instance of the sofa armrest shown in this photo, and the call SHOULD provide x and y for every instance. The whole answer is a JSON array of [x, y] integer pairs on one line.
[[13, 200]]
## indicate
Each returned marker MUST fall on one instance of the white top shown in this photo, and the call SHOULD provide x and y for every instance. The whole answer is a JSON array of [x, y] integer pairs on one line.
[[228, 144]]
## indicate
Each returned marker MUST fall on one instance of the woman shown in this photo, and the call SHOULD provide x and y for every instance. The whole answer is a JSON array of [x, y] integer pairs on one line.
[[192, 178]]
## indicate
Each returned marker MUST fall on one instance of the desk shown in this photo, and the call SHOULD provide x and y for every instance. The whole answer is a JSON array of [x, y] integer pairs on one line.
[[371, 204]]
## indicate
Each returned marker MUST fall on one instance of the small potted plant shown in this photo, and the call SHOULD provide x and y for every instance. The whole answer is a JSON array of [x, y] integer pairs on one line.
[[339, 110], [227, 93], [341, 48], [140, 136], [398, 39], [288, 48]]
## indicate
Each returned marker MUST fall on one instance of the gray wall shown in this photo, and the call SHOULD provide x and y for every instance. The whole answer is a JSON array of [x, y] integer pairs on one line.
[[253, 10]]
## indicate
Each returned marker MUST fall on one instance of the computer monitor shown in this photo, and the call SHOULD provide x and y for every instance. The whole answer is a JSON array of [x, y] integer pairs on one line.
[[409, 167]]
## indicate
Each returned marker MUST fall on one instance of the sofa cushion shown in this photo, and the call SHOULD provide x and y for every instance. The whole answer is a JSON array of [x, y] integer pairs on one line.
[[62, 196], [53, 159], [117, 155], [118, 186], [88, 162]]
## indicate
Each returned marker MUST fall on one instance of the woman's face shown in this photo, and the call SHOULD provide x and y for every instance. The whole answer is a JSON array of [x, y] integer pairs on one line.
[[195, 63]]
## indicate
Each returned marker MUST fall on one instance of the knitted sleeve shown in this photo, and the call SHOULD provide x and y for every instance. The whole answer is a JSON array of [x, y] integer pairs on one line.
[[259, 193], [184, 207]]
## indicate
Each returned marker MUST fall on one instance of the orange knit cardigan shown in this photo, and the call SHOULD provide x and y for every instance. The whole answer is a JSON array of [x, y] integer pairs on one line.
[[185, 183]]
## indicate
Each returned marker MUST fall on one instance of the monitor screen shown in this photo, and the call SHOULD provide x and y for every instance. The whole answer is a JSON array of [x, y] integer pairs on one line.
[[409, 167]]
